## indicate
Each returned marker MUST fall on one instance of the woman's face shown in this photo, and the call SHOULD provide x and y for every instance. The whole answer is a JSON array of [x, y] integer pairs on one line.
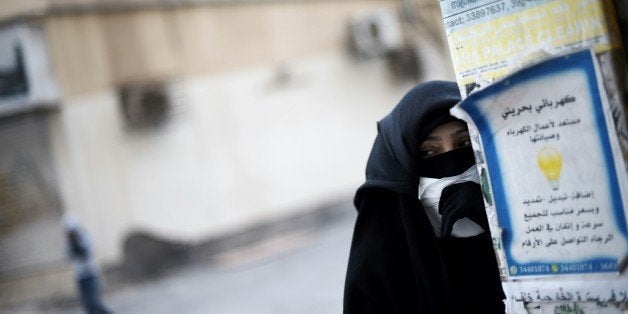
[[445, 137]]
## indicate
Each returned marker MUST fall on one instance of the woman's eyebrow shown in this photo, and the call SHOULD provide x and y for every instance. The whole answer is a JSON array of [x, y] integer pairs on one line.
[[459, 131], [432, 138]]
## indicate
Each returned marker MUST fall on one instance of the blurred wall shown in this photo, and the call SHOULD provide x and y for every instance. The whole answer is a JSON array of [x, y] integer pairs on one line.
[[14, 8], [270, 116]]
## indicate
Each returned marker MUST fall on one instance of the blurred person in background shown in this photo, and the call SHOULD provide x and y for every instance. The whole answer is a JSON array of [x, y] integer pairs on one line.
[[80, 253], [421, 242]]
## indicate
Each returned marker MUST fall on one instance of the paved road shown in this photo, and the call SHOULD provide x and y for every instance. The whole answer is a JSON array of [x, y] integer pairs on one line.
[[302, 272]]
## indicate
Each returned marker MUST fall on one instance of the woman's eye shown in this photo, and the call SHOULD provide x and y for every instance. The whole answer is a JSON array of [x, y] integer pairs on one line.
[[427, 153], [464, 143], [430, 150]]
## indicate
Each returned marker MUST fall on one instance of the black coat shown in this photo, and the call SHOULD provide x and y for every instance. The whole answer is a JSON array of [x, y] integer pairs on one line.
[[396, 263]]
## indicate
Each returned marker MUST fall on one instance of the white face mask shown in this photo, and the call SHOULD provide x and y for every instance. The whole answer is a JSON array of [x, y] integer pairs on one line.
[[430, 190]]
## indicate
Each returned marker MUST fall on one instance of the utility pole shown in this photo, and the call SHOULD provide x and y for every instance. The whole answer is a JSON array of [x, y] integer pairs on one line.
[[490, 42]]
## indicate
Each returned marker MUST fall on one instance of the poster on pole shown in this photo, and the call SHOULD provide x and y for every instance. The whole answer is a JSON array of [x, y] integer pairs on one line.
[[554, 167], [489, 39]]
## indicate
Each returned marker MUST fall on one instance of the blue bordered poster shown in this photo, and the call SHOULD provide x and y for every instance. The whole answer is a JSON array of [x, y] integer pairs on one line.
[[555, 171]]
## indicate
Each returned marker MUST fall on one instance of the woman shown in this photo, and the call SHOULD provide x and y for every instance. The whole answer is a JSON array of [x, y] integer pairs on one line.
[[432, 255]]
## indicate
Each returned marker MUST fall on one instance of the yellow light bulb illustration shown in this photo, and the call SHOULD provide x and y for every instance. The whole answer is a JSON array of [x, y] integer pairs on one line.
[[550, 161]]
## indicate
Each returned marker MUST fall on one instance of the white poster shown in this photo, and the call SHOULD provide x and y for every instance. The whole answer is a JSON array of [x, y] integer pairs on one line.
[[554, 168]]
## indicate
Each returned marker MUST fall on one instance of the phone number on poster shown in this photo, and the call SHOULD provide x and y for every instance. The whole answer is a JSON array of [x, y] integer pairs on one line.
[[485, 11]]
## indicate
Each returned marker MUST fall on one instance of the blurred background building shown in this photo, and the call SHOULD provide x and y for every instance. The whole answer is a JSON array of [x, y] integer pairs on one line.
[[179, 122]]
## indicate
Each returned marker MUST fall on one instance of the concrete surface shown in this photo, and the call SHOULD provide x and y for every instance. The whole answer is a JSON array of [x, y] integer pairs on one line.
[[298, 272]]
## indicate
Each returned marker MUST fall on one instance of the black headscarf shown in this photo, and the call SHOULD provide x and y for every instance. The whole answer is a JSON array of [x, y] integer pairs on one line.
[[394, 160]]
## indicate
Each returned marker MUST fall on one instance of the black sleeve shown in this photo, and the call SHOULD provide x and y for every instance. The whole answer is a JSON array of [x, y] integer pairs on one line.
[[394, 263]]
